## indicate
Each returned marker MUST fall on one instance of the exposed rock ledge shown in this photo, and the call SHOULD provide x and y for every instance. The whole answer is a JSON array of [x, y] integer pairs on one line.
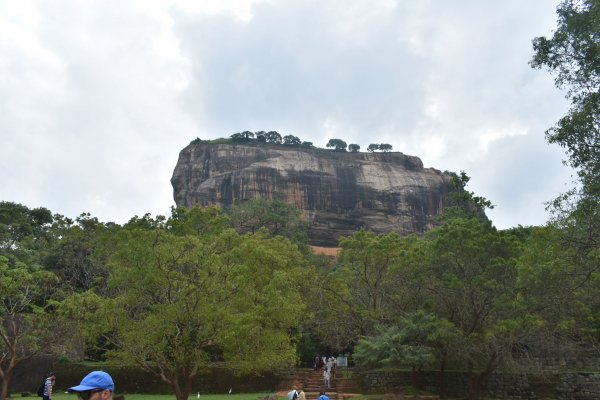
[[338, 192]]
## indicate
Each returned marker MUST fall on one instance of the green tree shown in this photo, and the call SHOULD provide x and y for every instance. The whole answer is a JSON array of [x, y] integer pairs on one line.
[[464, 203], [385, 147], [237, 137], [196, 221], [279, 217], [261, 136], [24, 233], [180, 301], [572, 54], [562, 293], [373, 147], [273, 137], [291, 140], [415, 341], [337, 144], [472, 282], [25, 314], [242, 136], [362, 292], [354, 148], [247, 135], [392, 346], [78, 256]]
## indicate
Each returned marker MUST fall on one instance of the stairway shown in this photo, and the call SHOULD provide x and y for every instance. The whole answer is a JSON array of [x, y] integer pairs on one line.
[[312, 383]]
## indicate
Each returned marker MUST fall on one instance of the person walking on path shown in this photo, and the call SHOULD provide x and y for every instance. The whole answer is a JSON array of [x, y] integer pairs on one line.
[[48, 385], [327, 378], [97, 385]]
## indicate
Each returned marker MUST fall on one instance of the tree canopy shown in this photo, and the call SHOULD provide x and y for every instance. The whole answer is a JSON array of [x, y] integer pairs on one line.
[[337, 144], [200, 297], [572, 54]]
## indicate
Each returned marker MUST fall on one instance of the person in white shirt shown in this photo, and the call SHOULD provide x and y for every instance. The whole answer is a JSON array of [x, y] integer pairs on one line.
[[327, 378]]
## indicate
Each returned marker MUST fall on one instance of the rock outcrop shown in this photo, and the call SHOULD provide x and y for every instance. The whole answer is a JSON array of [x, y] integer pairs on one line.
[[338, 192]]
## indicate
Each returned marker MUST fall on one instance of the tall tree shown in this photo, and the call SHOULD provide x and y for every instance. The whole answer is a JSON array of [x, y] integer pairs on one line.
[[472, 281], [353, 147], [556, 289], [78, 255], [25, 317], [362, 292], [180, 301], [572, 54], [24, 232]]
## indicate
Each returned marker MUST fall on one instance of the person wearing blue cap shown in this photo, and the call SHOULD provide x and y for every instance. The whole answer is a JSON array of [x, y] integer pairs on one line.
[[97, 385]]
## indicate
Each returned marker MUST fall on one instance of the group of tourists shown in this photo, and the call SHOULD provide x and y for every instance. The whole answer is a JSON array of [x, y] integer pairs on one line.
[[98, 385], [329, 366], [296, 394]]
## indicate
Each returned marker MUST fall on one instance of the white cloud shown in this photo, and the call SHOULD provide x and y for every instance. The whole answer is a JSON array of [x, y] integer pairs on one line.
[[98, 98]]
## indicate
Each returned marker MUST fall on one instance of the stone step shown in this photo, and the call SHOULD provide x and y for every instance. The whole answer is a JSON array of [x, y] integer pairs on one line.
[[311, 382]]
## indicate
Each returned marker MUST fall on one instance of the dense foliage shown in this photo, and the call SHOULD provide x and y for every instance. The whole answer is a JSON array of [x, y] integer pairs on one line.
[[572, 54], [176, 294]]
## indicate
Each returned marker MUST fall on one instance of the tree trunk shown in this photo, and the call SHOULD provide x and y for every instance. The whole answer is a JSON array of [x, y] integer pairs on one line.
[[175, 385], [182, 390], [442, 378], [4, 392], [5, 381], [415, 379], [475, 382], [187, 387]]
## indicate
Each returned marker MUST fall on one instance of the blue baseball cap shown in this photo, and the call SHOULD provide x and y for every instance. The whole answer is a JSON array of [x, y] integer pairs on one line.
[[94, 380]]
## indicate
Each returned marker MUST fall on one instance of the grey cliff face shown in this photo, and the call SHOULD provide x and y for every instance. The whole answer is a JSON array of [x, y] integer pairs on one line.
[[338, 192]]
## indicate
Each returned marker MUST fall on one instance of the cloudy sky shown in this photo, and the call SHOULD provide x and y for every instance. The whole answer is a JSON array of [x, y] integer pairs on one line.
[[97, 98]]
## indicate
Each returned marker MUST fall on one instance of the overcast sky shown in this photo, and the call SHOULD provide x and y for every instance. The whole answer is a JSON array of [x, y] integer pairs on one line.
[[97, 98]]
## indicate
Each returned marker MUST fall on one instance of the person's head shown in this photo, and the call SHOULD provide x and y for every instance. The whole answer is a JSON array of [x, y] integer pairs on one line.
[[97, 385]]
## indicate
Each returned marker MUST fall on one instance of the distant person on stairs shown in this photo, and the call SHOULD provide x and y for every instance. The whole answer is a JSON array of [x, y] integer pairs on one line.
[[327, 378]]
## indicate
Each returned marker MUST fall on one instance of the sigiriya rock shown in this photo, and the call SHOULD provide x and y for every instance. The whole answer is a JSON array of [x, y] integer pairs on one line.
[[338, 192]]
